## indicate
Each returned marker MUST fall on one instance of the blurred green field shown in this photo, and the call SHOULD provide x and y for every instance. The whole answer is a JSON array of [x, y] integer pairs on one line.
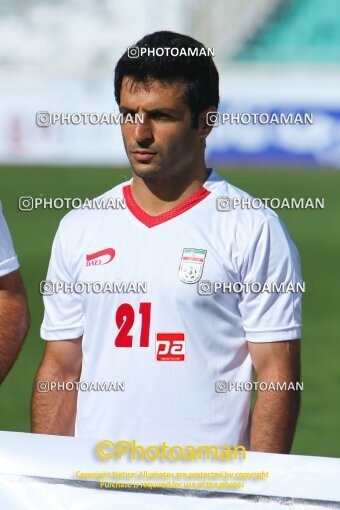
[[315, 232]]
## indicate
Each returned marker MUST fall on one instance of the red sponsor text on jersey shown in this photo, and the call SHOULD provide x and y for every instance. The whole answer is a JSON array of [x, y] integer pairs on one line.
[[101, 257]]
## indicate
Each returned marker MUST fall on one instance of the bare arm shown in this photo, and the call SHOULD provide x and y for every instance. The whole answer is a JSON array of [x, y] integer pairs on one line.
[[14, 320], [276, 412], [54, 411]]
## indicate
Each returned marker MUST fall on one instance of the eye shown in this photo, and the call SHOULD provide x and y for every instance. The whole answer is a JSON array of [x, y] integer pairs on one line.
[[160, 115]]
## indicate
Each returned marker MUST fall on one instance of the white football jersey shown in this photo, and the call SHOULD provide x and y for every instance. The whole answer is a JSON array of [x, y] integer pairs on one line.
[[8, 258], [171, 341]]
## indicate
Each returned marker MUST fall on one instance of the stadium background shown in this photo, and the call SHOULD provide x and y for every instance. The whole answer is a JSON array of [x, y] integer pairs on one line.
[[272, 55]]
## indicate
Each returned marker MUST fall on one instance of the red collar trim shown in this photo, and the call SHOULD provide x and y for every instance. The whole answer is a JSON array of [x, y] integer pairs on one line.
[[152, 221]]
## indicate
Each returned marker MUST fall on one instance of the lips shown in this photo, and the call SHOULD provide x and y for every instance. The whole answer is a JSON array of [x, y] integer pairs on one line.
[[143, 155]]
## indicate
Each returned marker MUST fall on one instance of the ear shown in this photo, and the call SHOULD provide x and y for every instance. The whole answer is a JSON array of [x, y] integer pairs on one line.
[[206, 121]]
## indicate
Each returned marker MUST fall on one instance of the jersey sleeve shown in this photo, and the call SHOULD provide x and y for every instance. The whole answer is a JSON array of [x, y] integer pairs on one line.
[[8, 258], [271, 258], [63, 317]]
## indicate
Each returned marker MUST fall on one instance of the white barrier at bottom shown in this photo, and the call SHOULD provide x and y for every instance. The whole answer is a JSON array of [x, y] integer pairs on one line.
[[57, 473]]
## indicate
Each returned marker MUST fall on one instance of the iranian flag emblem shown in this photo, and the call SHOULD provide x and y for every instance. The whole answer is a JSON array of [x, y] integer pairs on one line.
[[191, 267]]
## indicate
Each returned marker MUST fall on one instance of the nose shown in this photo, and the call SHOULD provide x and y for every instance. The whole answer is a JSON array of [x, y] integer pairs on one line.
[[143, 133]]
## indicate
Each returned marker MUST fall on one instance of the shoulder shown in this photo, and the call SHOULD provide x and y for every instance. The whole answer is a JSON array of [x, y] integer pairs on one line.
[[245, 224], [91, 211], [237, 208]]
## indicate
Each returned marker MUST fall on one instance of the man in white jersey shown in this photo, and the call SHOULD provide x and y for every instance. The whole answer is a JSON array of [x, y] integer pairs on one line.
[[13, 303], [171, 346]]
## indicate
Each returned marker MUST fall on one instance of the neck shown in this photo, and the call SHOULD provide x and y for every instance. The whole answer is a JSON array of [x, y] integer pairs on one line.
[[158, 197]]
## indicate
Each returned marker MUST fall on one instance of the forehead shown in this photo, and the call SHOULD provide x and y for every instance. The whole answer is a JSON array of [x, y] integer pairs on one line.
[[152, 94]]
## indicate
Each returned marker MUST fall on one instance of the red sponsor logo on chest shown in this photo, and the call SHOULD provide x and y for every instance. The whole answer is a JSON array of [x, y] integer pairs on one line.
[[99, 258]]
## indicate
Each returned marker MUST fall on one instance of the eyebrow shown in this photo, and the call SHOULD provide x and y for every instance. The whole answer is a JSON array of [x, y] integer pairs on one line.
[[170, 111]]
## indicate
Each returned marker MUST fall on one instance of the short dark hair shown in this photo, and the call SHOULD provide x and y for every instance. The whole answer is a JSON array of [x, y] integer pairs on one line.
[[198, 73]]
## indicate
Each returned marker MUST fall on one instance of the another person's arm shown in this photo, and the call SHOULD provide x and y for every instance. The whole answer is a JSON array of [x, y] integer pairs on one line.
[[54, 408], [14, 320], [276, 411], [14, 316]]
